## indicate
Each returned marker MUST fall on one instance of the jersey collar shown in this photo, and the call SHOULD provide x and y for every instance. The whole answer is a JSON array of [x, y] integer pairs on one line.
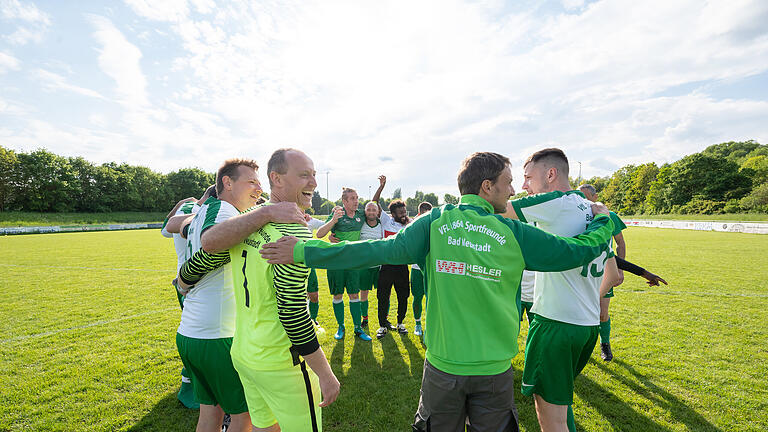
[[477, 201]]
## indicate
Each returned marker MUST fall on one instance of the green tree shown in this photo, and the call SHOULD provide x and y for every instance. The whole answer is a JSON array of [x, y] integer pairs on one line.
[[756, 168], [317, 202], [9, 164], [430, 198], [640, 183], [734, 151], [397, 194], [657, 200], [187, 182], [450, 199], [712, 178], [757, 200], [617, 188], [46, 181]]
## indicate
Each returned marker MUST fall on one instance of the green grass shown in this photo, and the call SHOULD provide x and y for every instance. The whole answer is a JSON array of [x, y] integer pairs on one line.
[[18, 219], [87, 341], [729, 217]]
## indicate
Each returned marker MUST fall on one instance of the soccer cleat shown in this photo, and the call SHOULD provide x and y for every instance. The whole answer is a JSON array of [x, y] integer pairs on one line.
[[381, 332], [417, 330], [390, 325], [401, 328], [339, 333], [362, 335], [605, 351]]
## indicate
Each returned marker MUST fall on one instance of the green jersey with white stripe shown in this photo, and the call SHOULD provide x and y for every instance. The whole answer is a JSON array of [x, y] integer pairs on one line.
[[273, 324], [571, 296]]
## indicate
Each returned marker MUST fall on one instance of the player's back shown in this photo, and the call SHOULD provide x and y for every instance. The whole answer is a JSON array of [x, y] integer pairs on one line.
[[571, 296], [209, 308]]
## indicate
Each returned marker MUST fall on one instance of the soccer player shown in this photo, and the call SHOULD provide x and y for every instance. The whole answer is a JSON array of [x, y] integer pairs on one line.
[[566, 304], [392, 274], [186, 206], [275, 339], [345, 223], [371, 230], [207, 325], [417, 282], [472, 261]]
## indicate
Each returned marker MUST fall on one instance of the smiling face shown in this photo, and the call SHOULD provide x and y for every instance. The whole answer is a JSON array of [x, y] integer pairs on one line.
[[298, 183], [244, 191], [400, 214], [371, 212], [500, 190], [350, 202], [535, 178]]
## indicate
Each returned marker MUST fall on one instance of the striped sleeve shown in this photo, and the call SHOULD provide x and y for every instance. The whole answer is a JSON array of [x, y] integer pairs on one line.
[[290, 283], [200, 265]]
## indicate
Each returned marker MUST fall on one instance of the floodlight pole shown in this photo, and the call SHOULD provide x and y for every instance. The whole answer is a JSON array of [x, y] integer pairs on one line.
[[579, 179], [327, 195]]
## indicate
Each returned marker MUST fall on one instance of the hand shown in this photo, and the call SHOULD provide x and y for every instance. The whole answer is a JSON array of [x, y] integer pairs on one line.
[[599, 208], [330, 387], [307, 217], [338, 212], [286, 212], [652, 279], [333, 239], [181, 287], [279, 252], [382, 180]]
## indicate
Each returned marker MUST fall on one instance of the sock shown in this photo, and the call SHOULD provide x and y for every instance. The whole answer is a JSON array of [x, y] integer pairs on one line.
[[571, 420], [605, 331], [364, 308], [417, 308], [313, 308], [338, 311], [354, 310]]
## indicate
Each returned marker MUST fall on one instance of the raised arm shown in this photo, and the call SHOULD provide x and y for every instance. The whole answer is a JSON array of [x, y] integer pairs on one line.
[[336, 214], [230, 232], [377, 196]]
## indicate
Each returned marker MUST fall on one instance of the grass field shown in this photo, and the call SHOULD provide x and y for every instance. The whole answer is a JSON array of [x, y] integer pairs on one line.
[[18, 219], [87, 341]]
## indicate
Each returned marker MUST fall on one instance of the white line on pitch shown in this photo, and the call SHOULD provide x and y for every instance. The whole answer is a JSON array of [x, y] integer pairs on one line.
[[695, 293], [93, 324], [86, 268]]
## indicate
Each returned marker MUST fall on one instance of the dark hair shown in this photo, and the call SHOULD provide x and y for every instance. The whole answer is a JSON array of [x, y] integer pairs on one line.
[[211, 191], [396, 204], [229, 169], [277, 162], [552, 157], [425, 207], [478, 167]]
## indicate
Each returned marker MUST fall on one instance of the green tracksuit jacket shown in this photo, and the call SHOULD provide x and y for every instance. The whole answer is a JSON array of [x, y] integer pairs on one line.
[[472, 262]]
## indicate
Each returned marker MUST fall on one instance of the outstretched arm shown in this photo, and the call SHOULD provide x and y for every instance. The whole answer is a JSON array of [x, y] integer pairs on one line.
[[377, 196], [230, 232]]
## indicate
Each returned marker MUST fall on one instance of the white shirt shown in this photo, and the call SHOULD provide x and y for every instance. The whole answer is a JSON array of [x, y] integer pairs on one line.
[[567, 296], [209, 308]]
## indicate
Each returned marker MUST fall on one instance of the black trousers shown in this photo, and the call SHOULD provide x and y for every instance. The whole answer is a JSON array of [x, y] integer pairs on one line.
[[396, 275]]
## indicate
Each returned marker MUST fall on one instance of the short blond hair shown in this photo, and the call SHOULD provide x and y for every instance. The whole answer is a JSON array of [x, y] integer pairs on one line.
[[346, 191]]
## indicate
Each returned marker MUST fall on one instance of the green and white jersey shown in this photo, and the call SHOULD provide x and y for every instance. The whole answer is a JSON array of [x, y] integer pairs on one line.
[[571, 296], [179, 242], [526, 286], [273, 324], [618, 224], [209, 308], [348, 228], [368, 232], [472, 261]]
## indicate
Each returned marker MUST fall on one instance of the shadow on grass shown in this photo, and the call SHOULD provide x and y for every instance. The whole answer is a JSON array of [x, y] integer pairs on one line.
[[168, 414], [665, 400]]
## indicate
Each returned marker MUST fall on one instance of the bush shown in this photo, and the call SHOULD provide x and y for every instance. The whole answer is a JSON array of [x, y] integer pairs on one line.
[[757, 200], [702, 206]]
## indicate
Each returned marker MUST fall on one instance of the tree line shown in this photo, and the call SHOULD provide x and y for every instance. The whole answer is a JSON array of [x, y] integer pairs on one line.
[[730, 177]]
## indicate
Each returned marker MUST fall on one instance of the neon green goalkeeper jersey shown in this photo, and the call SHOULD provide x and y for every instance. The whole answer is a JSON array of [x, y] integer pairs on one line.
[[272, 324]]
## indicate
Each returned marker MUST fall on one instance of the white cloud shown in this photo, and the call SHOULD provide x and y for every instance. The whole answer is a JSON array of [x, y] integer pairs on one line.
[[33, 22], [8, 62], [119, 59], [52, 81]]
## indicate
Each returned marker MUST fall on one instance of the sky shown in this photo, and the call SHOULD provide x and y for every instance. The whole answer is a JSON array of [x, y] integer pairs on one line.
[[405, 89]]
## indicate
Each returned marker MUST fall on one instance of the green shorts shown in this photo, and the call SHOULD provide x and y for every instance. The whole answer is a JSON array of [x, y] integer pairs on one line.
[[369, 278], [312, 285], [609, 294], [339, 279], [417, 282], [286, 396], [214, 380], [555, 354]]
